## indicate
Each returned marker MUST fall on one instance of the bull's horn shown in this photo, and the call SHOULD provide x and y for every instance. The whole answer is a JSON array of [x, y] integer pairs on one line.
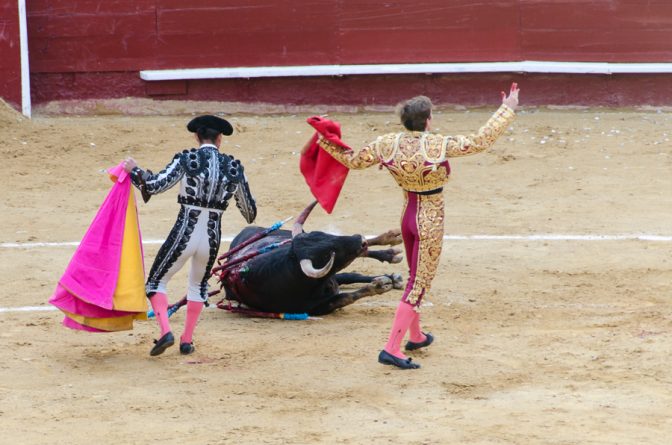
[[298, 225], [308, 268]]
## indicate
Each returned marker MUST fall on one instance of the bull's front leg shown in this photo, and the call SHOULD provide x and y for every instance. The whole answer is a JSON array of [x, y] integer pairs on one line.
[[379, 285], [389, 255], [389, 238]]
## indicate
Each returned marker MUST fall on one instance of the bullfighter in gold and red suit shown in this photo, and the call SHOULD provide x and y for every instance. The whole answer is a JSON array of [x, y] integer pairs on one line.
[[418, 161]]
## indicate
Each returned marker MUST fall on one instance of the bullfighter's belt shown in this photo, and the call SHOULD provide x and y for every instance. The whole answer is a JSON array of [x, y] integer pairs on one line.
[[428, 192]]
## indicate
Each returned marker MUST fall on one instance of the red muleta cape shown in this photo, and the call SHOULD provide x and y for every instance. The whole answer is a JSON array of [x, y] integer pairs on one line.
[[324, 175]]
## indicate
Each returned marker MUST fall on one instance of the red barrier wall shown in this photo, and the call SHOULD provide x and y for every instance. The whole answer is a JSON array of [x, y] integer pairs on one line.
[[94, 49], [10, 53]]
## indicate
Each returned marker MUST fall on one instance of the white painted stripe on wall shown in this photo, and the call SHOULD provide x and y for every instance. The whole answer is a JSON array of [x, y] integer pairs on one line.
[[25, 67], [531, 237], [527, 66]]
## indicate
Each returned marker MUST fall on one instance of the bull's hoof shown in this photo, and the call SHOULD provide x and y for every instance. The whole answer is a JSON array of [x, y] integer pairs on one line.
[[162, 344], [389, 238], [187, 348], [381, 284], [412, 346], [398, 256], [397, 281], [388, 359], [392, 237]]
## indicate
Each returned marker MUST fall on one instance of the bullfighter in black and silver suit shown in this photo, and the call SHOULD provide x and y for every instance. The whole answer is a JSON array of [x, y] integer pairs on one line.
[[208, 179]]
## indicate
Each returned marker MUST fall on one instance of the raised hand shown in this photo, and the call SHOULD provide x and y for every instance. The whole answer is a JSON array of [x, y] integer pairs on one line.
[[512, 100]]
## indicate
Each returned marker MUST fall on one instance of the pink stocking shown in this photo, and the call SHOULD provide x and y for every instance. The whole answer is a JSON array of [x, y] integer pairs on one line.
[[403, 318], [159, 302], [415, 333], [193, 312]]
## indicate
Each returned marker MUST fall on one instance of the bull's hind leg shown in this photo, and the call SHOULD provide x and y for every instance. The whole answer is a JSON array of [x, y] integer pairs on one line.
[[352, 278], [377, 285]]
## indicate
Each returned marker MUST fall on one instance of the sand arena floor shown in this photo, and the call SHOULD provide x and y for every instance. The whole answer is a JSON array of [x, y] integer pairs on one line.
[[539, 341]]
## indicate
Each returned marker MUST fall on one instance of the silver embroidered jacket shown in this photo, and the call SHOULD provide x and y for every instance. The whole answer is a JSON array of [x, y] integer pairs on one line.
[[207, 179]]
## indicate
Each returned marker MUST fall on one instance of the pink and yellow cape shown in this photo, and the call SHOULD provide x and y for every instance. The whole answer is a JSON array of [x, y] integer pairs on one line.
[[102, 289]]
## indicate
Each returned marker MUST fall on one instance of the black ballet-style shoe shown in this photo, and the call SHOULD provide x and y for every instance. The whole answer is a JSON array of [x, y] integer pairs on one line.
[[162, 344], [388, 359], [187, 348], [411, 346]]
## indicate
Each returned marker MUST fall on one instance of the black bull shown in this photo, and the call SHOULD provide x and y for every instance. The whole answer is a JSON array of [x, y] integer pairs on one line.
[[302, 276]]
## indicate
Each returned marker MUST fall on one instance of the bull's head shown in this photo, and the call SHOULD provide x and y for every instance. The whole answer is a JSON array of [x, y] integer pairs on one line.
[[319, 253]]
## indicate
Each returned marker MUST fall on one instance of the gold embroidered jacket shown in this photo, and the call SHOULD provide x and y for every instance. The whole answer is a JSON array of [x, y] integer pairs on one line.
[[418, 160]]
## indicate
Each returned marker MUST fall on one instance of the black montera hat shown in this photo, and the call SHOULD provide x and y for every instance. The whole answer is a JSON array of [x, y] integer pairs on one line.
[[210, 121]]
